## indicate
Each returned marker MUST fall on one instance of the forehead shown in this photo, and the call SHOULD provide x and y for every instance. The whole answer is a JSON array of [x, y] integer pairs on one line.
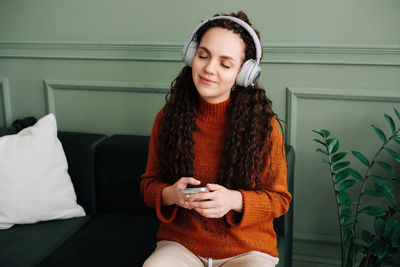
[[223, 42]]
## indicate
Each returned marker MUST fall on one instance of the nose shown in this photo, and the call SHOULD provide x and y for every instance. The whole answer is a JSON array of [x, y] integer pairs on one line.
[[210, 67]]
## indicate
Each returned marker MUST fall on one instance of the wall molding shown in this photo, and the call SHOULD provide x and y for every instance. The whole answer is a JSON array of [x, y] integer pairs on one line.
[[314, 261], [273, 54], [51, 85], [293, 94], [6, 101], [316, 241]]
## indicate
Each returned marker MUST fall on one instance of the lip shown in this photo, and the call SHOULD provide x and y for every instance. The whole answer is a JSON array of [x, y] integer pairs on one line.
[[205, 80]]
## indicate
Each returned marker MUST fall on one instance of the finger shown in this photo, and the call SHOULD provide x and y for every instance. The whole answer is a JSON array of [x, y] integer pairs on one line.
[[186, 204], [201, 196], [189, 180], [203, 204], [213, 187]]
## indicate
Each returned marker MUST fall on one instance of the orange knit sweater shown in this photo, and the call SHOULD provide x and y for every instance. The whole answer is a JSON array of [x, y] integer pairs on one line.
[[208, 237]]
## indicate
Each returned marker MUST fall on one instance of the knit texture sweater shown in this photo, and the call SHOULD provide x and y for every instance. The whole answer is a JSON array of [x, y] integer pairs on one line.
[[235, 233]]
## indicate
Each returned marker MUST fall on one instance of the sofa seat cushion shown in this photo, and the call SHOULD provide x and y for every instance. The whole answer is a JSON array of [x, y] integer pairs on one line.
[[108, 240], [27, 245]]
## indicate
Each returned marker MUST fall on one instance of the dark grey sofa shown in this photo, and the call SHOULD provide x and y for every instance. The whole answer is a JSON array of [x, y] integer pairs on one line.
[[119, 230]]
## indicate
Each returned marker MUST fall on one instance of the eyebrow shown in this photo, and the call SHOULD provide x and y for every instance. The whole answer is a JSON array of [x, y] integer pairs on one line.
[[225, 57]]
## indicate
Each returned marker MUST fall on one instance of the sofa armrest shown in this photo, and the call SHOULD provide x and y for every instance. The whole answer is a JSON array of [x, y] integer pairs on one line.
[[290, 159], [79, 149], [7, 131], [283, 225]]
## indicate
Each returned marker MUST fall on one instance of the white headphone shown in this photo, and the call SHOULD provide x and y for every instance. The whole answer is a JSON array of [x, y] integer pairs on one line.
[[250, 70]]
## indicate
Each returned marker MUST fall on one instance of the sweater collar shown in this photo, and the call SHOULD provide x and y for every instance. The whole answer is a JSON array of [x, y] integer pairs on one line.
[[213, 113]]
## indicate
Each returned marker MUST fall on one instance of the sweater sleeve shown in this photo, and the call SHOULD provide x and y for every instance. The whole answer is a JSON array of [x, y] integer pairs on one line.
[[274, 200], [152, 184]]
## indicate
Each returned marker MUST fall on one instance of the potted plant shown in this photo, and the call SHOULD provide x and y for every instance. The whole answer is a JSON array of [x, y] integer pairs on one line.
[[376, 247]]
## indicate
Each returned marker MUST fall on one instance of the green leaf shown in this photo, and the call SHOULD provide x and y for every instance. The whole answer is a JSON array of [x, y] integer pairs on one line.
[[386, 190], [391, 123], [347, 234], [341, 165], [319, 141], [381, 249], [325, 133], [379, 180], [318, 133], [367, 237], [345, 215], [393, 154], [325, 161], [346, 184], [346, 212], [389, 227], [360, 157], [320, 150], [344, 199], [333, 146], [374, 193], [348, 202], [373, 211], [338, 156], [329, 143], [355, 174], [396, 138], [345, 218], [379, 226], [341, 175], [397, 113], [386, 166], [359, 248], [390, 196], [395, 238], [376, 177], [380, 133]]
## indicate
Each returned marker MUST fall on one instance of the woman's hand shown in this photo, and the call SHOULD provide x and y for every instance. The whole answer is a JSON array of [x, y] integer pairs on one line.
[[216, 203], [172, 195]]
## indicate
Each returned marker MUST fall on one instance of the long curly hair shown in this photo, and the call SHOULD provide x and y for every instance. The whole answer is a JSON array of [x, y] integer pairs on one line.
[[250, 112]]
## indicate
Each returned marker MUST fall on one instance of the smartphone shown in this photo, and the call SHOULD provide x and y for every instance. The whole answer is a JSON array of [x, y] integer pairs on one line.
[[193, 190]]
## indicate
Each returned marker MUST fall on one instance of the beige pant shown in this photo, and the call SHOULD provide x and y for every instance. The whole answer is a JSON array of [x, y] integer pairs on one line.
[[173, 254]]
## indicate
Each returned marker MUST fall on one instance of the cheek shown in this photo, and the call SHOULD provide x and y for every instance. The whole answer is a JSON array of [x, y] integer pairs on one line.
[[195, 68], [230, 78]]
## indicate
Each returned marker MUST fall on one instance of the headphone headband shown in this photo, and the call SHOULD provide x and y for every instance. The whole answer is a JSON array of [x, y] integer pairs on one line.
[[242, 23]]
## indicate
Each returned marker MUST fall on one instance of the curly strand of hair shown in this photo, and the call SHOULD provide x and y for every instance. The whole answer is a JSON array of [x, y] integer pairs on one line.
[[246, 152], [177, 126]]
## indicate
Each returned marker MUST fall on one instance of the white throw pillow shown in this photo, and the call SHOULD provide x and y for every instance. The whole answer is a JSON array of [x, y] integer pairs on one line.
[[34, 182]]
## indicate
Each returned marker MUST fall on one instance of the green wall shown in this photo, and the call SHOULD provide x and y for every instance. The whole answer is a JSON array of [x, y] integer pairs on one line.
[[105, 66]]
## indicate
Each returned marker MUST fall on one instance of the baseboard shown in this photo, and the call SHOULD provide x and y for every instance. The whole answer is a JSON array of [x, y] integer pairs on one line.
[[315, 250]]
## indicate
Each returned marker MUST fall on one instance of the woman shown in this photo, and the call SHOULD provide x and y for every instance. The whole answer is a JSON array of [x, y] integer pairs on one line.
[[217, 130]]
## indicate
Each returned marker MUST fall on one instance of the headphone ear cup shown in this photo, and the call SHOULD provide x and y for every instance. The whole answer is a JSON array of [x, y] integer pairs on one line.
[[255, 74], [189, 52], [245, 71], [249, 73]]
